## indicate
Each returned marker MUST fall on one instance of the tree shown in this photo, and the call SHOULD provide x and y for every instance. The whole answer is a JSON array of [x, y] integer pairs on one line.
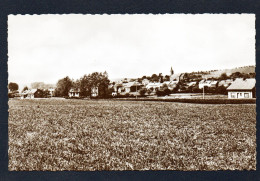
[[223, 76], [13, 86], [93, 81], [63, 87], [149, 91], [85, 86], [25, 88], [142, 91], [154, 78], [221, 90], [166, 78], [167, 91]]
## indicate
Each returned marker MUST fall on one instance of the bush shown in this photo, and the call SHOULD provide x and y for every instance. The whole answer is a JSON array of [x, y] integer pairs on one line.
[[142, 92]]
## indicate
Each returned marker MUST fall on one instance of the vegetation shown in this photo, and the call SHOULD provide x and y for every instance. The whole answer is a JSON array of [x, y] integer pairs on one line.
[[85, 84], [13, 86], [129, 135]]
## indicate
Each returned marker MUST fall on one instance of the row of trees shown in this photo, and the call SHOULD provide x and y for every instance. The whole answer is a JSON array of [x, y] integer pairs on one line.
[[85, 84]]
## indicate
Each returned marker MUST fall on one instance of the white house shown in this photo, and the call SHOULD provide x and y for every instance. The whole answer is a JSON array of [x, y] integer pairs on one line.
[[74, 92], [145, 82], [208, 83], [132, 86], [94, 92], [154, 85], [30, 93], [51, 91], [225, 83], [170, 84], [240, 89]]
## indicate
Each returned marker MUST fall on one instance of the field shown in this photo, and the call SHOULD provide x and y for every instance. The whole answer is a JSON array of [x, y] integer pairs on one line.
[[52, 134]]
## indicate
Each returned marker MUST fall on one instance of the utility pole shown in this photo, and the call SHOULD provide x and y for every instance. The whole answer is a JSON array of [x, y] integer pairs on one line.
[[203, 92], [135, 90]]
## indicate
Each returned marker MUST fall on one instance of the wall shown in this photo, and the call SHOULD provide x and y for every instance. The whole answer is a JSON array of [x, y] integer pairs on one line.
[[239, 94]]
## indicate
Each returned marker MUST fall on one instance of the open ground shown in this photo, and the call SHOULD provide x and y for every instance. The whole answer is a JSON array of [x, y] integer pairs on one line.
[[52, 134]]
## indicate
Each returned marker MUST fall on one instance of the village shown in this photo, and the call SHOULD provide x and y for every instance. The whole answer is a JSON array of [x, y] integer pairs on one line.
[[184, 85]]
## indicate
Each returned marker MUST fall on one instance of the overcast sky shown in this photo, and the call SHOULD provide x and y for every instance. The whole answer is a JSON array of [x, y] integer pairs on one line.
[[47, 48]]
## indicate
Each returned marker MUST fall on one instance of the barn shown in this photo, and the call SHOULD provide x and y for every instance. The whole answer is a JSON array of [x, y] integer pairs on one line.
[[242, 89]]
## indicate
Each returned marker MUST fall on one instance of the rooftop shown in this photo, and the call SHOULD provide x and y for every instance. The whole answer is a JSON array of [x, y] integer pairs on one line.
[[240, 84]]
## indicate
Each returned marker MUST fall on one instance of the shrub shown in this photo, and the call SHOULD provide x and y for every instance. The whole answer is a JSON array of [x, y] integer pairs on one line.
[[142, 92]]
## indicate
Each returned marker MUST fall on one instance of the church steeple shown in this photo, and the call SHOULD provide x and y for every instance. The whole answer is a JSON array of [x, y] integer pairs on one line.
[[172, 71]]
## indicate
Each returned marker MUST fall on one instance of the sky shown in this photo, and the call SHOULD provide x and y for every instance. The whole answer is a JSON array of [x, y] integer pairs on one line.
[[46, 48]]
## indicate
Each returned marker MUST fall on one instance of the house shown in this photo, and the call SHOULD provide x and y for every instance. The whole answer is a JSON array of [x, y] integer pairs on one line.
[[119, 88], [145, 82], [213, 84], [192, 84], [32, 93], [225, 83], [154, 85], [94, 91], [170, 84], [240, 89], [132, 86], [208, 83], [51, 91], [204, 83], [74, 92]]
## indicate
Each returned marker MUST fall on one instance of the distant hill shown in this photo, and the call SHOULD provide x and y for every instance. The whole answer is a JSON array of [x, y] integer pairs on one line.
[[217, 73]]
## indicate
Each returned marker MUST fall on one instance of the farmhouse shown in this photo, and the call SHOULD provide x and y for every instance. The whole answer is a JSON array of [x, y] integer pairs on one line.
[[74, 92], [240, 89], [31, 93]]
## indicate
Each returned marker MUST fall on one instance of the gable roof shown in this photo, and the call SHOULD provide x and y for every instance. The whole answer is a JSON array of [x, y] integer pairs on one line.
[[240, 84], [130, 84]]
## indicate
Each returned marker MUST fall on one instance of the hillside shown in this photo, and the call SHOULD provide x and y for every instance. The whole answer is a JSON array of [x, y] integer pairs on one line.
[[217, 73]]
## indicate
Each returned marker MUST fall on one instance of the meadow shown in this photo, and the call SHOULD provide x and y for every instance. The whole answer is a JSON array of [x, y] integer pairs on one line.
[[53, 134]]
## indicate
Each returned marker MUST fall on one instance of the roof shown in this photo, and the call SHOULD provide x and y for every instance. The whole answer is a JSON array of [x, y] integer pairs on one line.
[[240, 84], [74, 90], [130, 84], [29, 91]]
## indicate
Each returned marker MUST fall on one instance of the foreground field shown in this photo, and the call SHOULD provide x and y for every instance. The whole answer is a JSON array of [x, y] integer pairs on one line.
[[127, 135]]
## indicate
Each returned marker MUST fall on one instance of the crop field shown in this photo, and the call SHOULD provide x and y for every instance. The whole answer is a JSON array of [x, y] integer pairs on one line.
[[52, 134]]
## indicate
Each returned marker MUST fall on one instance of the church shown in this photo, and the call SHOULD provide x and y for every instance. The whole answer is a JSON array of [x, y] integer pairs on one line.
[[174, 77]]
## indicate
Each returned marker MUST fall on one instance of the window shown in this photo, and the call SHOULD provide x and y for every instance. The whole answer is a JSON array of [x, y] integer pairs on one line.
[[246, 95], [233, 95]]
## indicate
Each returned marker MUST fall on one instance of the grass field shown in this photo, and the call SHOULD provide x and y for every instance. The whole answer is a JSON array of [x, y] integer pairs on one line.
[[127, 135]]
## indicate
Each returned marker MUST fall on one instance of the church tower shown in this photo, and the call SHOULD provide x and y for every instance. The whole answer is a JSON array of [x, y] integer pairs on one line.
[[172, 72]]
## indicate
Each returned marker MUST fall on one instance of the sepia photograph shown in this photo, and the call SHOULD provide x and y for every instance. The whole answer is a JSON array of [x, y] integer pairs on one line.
[[131, 92]]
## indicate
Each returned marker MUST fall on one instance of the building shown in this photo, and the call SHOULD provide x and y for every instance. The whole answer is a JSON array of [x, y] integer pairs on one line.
[[94, 91], [241, 89], [51, 91], [74, 92], [225, 83], [170, 84], [207, 83], [145, 82], [132, 87], [154, 85], [32, 93]]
